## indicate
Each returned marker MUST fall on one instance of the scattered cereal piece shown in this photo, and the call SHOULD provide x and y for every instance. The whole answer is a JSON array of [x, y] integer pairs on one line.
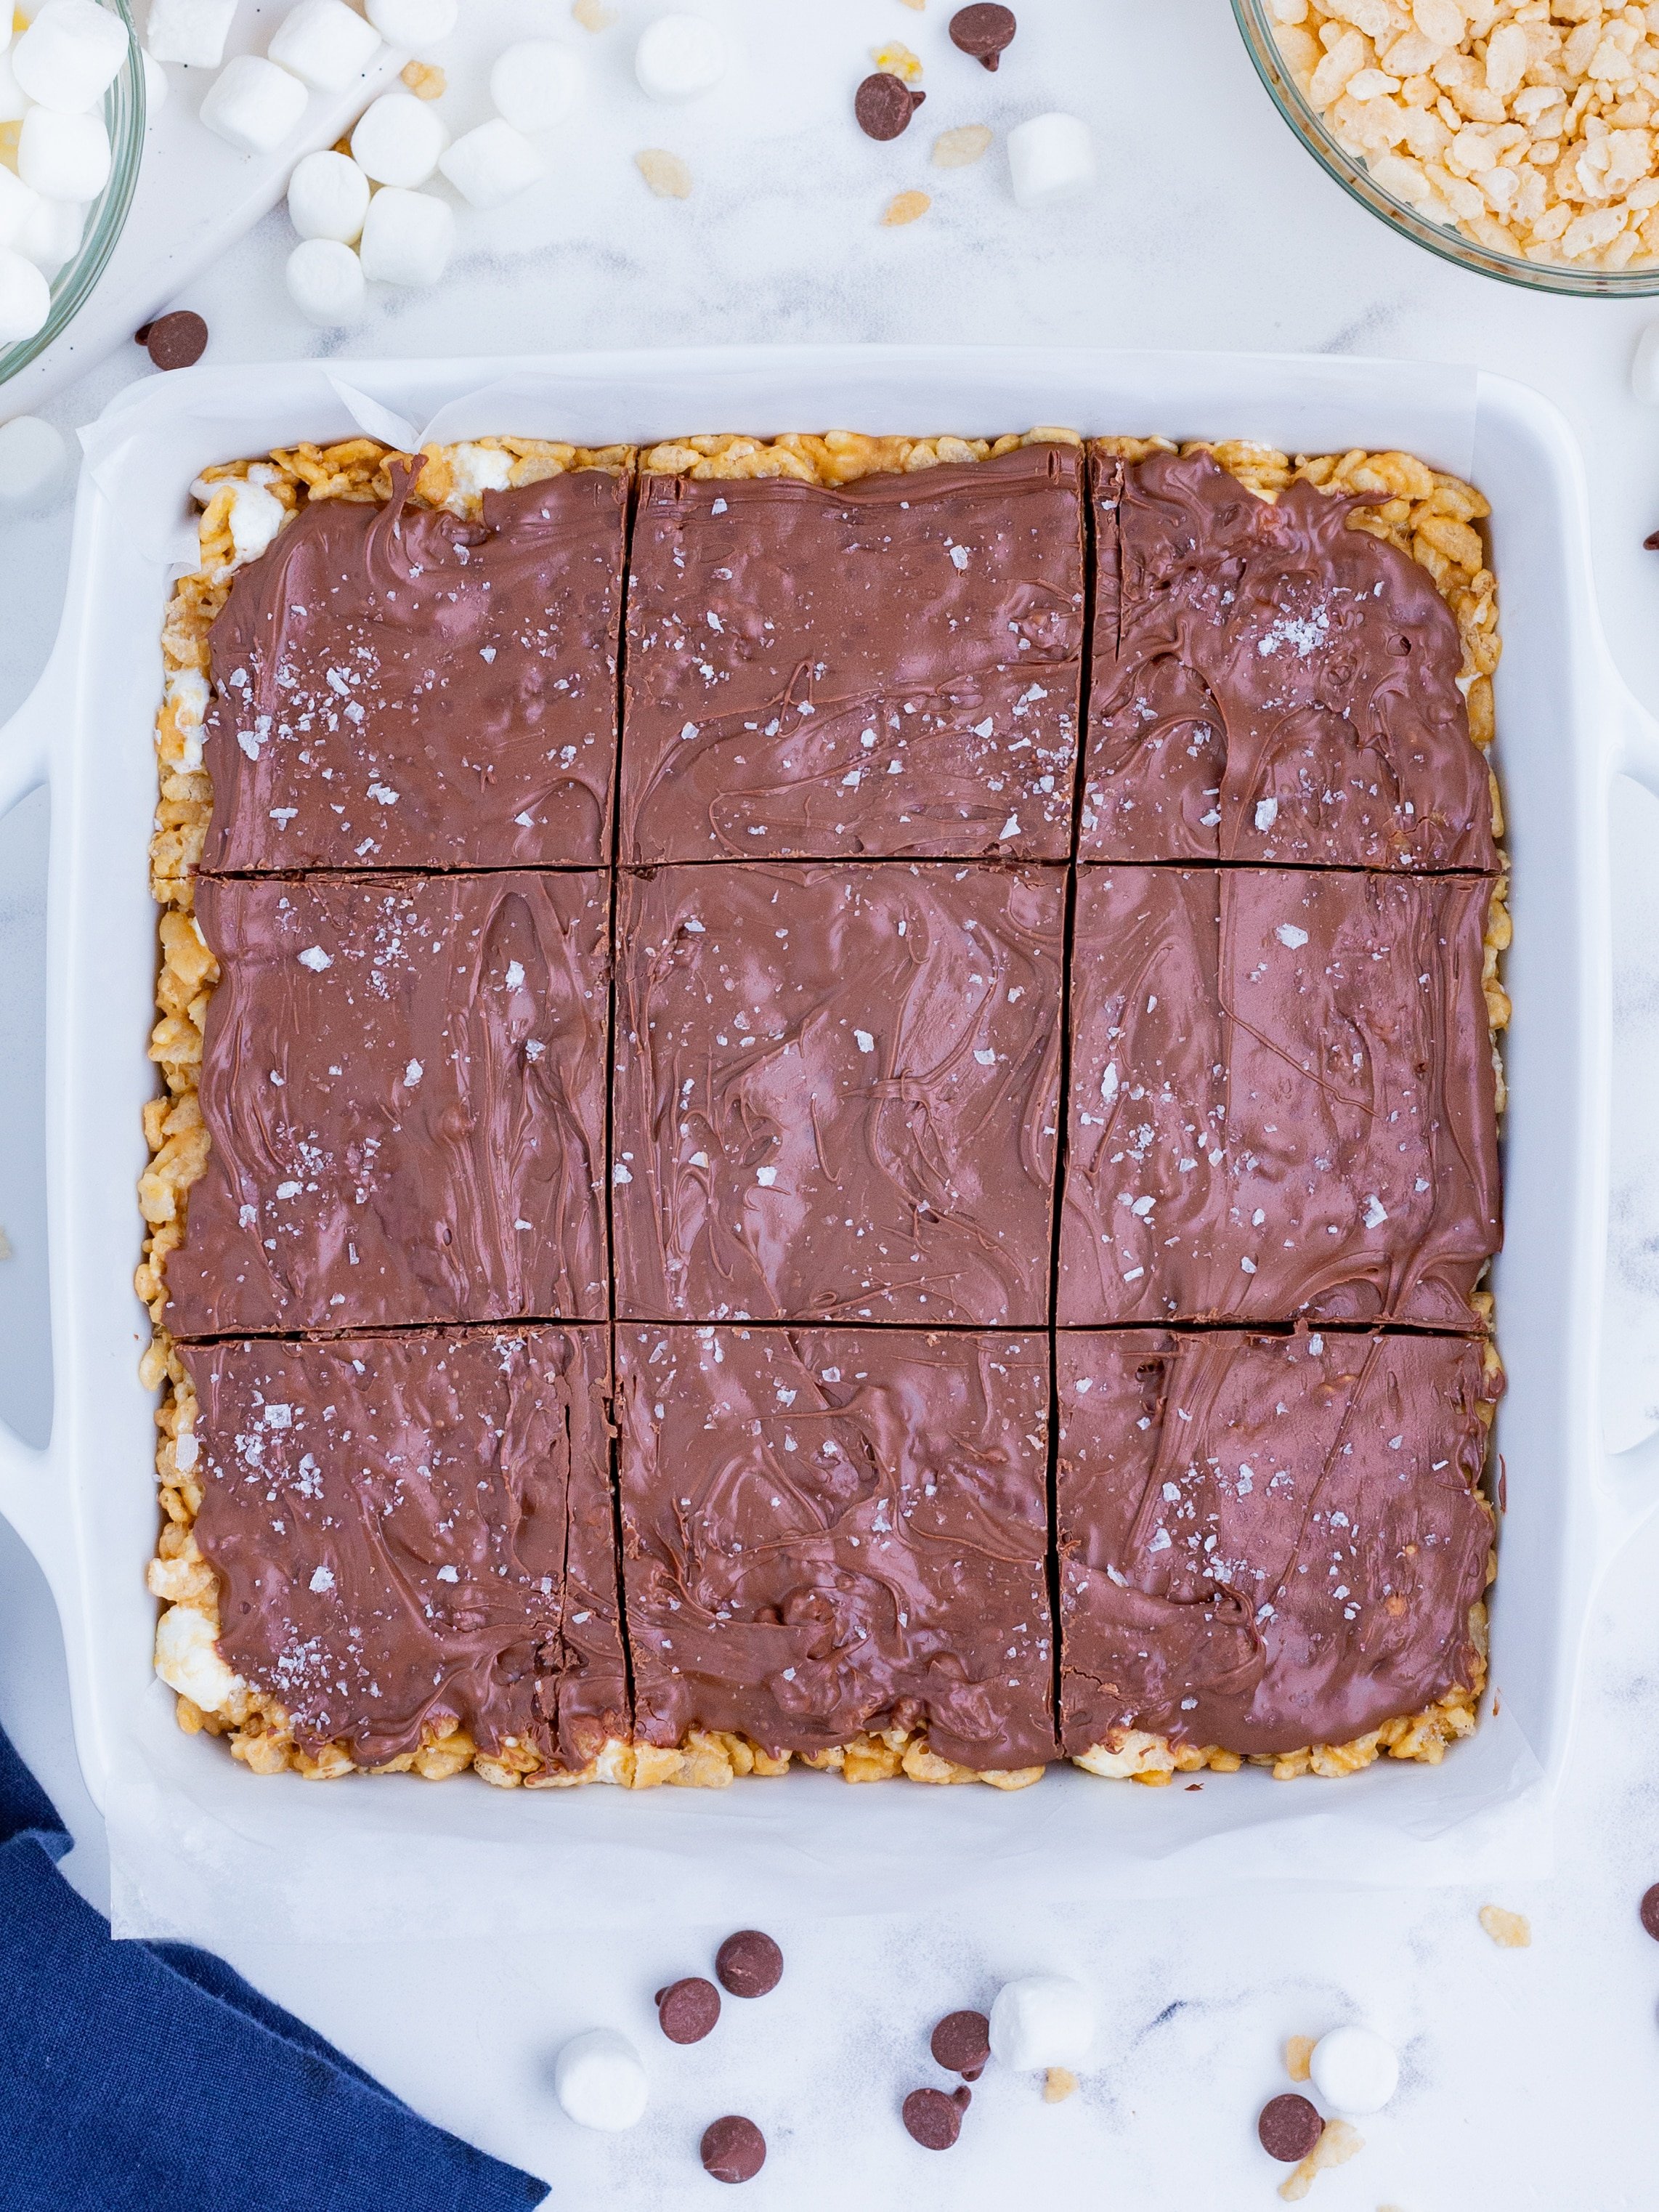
[[733, 2149], [593, 14], [666, 173], [917, 5], [1299, 2049], [1335, 2147], [985, 31], [749, 1964], [1289, 2127], [961, 2043], [883, 105], [425, 80], [688, 2009], [896, 59], [906, 207], [934, 2120], [1058, 2084], [1510, 1931], [961, 148], [6, 1252]]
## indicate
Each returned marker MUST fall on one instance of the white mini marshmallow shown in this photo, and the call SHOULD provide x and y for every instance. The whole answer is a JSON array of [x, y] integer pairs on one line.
[[50, 235], [325, 42], [156, 87], [325, 282], [598, 2080], [187, 1658], [413, 22], [534, 84], [407, 237], [491, 164], [328, 198], [1644, 369], [1041, 2020], [398, 139], [71, 55], [25, 298], [17, 204], [1354, 2070], [678, 57], [1052, 158], [34, 461], [253, 105], [256, 516], [63, 157], [7, 24], [14, 100], [191, 31]]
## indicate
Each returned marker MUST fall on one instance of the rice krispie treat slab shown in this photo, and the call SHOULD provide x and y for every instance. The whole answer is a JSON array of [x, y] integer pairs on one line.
[[887, 667], [836, 1538], [1282, 1097], [1272, 684], [1269, 1543], [406, 1545], [403, 1091], [398, 686], [835, 1093]]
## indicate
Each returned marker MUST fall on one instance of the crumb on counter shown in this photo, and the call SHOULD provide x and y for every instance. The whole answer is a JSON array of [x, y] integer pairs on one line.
[[1510, 1931]]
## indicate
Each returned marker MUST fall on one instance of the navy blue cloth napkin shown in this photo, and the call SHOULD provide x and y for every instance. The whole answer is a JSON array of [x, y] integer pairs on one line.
[[147, 2077]]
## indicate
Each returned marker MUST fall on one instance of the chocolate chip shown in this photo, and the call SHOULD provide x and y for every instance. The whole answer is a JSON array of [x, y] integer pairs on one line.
[[885, 104], [962, 2044], [934, 2119], [984, 32], [1650, 543], [688, 2009], [1288, 2128], [733, 2149], [1649, 1905], [749, 1964], [175, 341]]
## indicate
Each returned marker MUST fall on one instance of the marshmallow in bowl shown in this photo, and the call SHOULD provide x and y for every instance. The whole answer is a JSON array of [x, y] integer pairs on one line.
[[328, 198], [492, 164], [71, 55], [412, 22], [600, 2081], [678, 57], [34, 461], [1354, 2070], [190, 31], [325, 282], [1042, 2021], [534, 84], [63, 157], [397, 140], [325, 43], [1051, 158], [51, 234], [407, 238], [253, 105], [17, 203], [25, 298]]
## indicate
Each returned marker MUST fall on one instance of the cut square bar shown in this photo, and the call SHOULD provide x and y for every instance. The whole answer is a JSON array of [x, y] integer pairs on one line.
[[836, 1093], [1270, 1543], [885, 668], [1283, 1098], [403, 1084], [830, 1533]]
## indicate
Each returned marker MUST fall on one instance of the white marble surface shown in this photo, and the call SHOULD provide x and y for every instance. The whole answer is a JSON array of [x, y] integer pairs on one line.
[[1528, 2075]]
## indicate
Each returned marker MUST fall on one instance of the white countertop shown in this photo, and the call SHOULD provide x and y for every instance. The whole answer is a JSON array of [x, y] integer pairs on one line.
[[1528, 2074]]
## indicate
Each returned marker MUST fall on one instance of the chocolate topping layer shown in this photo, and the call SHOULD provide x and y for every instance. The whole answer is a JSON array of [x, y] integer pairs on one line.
[[889, 669], [404, 1082], [1271, 684], [1282, 1098], [407, 1527], [835, 1093], [395, 688], [830, 1530], [1266, 1541]]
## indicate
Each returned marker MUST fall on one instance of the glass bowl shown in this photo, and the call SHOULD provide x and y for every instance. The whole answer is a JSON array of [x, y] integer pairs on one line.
[[124, 118], [1352, 173]]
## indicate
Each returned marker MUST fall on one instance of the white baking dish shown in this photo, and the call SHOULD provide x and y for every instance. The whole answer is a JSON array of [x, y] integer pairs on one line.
[[197, 1844]]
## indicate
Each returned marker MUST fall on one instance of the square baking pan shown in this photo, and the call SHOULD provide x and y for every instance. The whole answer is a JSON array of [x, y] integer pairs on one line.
[[197, 1844]]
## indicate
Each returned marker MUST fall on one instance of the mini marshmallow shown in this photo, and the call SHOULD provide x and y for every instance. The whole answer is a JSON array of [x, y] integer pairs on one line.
[[1644, 369], [14, 100], [491, 164], [678, 57], [398, 139], [17, 204], [407, 237], [1354, 2070], [50, 235], [253, 105], [598, 2080], [1052, 158], [413, 22], [534, 84], [190, 31], [8, 20], [25, 298], [71, 55], [187, 1658], [325, 42], [328, 198], [325, 282], [63, 157], [34, 461], [1041, 2020], [156, 87]]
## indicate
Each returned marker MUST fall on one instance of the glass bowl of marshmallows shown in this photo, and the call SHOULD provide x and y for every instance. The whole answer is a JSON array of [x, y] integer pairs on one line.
[[1518, 140], [71, 136]]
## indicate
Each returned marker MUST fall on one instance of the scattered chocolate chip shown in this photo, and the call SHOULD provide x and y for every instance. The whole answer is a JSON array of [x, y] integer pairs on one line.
[[733, 2149], [1288, 2128], [1650, 543], [688, 2009], [1649, 1905], [933, 2118], [749, 1964], [141, 336], [962, 2044], [983, 31], [885, 104], [175, 341]]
